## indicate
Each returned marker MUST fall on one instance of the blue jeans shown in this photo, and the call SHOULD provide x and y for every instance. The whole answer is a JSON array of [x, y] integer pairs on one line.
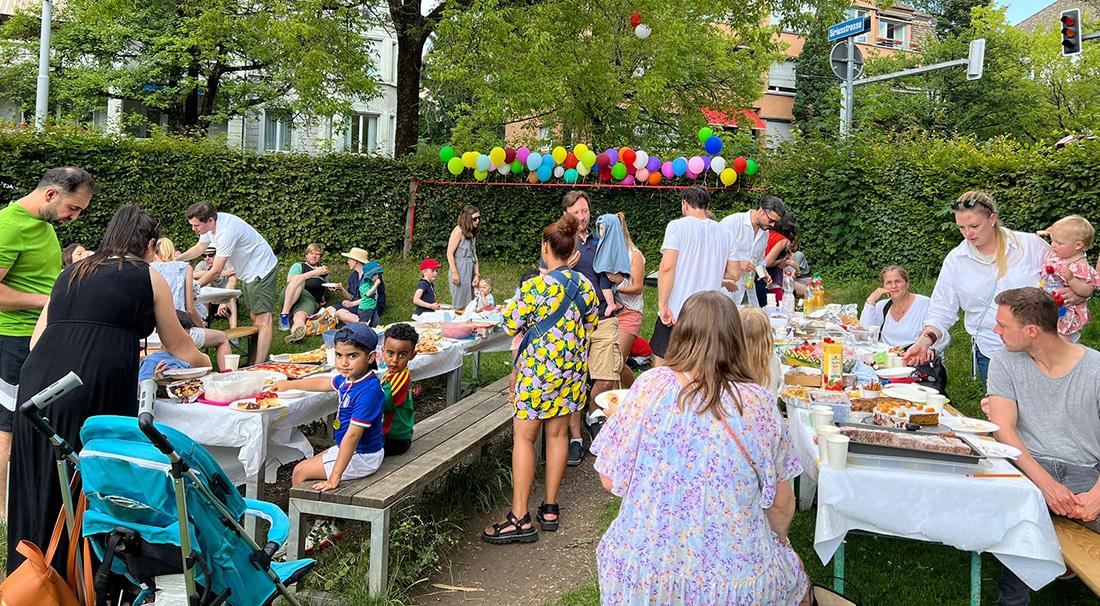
[[982, 362], [1011, 591]]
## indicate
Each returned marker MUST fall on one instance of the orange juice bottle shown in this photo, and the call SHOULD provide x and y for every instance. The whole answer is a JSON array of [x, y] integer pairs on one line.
[[832, 363]]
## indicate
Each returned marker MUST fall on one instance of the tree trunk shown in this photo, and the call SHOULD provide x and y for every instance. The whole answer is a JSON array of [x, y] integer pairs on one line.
[[410, 64]]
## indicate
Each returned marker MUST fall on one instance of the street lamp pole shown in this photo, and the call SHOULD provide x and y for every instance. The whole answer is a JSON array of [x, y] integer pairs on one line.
[[42, 94]]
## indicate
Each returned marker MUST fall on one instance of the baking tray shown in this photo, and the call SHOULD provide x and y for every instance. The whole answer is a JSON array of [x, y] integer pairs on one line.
[[911, 453]]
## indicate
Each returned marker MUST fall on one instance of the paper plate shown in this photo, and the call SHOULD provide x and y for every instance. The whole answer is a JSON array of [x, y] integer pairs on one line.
[[187, 373], [968, 425], [895, 373], [292, 394], [996, 449], [239, 405], [331, 284], [907, 391], [604, 399]]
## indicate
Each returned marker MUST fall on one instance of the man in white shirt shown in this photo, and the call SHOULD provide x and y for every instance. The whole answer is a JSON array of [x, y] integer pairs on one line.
[[696, 255], [750, 235], [239, 244]]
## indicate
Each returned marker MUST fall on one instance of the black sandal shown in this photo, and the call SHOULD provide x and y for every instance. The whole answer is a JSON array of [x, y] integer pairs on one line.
[[517, 535], [551, 509]]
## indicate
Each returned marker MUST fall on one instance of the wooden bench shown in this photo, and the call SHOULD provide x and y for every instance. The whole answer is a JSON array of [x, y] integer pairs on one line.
[[440, 442], [1080, 550], [251, 334]]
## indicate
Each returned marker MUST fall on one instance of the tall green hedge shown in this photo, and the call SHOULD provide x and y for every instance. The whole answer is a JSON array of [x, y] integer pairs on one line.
[[860, 204]]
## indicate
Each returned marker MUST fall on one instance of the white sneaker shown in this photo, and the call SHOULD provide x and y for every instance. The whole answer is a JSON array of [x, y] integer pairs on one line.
[[322, 536]]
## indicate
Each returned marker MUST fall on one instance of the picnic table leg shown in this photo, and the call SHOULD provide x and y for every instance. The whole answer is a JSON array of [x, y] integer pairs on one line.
[[975, 578], [379, 551], [838, 569], [807, 488], [454, 386], [254, 489], [475, 367], [253, 345]]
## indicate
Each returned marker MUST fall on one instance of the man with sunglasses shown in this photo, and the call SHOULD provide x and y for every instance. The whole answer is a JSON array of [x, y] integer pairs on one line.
[[227, 279], [750, 234]]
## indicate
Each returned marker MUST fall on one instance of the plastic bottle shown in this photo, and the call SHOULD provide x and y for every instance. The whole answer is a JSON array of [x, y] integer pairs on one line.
[[819, 292], [787, 304], [810, 298], [1052, 283]]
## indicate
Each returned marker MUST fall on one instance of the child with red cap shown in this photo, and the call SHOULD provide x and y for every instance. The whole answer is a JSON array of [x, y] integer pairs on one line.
[[424, 297]]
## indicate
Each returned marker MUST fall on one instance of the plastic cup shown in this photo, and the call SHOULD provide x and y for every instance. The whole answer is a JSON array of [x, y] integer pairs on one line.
[[937, 401], [823, 433], [896, 362], [823, 416], [232, 361], [837, 450], [330, 356], [771, 300]]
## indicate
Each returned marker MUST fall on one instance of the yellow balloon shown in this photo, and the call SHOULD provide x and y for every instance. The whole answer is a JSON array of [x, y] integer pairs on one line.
[[496, 156], [579, 149], [469, 159], [481, 175], [559, 154], [583, 169], [728, 176]]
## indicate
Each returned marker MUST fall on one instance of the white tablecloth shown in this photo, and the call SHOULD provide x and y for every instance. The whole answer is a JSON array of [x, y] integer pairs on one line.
[[1003, 516]]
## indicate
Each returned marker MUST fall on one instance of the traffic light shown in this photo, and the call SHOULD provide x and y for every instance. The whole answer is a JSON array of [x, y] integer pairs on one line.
[[1071, 31]]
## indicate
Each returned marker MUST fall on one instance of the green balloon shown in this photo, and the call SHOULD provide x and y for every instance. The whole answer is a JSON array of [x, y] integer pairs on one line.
[[705, 133], [619, 171], [517, 166], [481, 175], [446, 154], [571, 175], [454, 165], [751, 167]]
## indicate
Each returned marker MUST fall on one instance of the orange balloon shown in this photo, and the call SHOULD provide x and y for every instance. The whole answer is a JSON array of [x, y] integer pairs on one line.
[[532, 177], [654, 177]]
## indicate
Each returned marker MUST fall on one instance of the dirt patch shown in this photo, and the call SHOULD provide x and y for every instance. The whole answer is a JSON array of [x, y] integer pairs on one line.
[[514, 575]]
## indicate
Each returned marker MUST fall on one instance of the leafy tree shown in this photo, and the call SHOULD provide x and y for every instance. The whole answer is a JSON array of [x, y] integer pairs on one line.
[[579, 68], [817, 93], [952, 16], [200, 61]]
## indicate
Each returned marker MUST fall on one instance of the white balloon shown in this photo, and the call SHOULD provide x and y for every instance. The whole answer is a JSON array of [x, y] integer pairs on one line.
[[583, 169], [642, 31], [559, 171], [505, 169], [641, 159], [717, 164]]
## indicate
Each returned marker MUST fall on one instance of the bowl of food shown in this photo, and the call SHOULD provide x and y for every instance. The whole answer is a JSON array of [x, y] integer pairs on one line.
[[185, 392], [457, 330]]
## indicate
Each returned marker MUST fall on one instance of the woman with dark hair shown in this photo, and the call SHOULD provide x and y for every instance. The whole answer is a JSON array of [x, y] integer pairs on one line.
[[98, 312], [462, 256], [703, 462], [557, 312], [776, 252]]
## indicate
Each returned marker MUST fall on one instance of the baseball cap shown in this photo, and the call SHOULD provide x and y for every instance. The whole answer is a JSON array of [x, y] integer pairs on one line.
[[360, 334], [429, 264]]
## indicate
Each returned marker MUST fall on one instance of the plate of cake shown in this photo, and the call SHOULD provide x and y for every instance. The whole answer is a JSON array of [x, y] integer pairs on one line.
[[262, 402]]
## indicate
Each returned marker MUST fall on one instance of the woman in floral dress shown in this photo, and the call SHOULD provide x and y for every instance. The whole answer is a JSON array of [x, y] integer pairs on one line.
[[557, 313], [703, 463]]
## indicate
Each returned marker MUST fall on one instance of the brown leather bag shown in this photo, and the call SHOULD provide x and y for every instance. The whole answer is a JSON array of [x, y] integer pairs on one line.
[[36, 583]]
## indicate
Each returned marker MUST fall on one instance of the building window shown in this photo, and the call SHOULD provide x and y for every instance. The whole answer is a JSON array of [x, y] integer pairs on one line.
[[362, 135], [852, 13], [781, 78], [375, 68], [892, 34], [277, 129]]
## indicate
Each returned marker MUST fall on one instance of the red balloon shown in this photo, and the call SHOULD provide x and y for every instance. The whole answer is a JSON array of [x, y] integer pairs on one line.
[[509, 155], [627, 156], [571, 160], [635, 19], [630, 170], [603, 161], [740, 164], [605, 175], [655, 177]]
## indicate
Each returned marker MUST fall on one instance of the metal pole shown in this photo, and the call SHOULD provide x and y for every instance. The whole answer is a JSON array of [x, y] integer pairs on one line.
[[42, 95], [849, 87]]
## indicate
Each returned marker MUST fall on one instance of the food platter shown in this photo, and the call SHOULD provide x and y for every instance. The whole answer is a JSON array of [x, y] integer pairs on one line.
[[247, 404], [968, 425], [431, 346], [292, 371], [185, 391], [316, 356], [856, 446]]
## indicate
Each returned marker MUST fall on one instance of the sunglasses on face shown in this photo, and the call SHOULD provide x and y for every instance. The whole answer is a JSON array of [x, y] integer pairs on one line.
[[969, 204], [208, 256], [475, 219]]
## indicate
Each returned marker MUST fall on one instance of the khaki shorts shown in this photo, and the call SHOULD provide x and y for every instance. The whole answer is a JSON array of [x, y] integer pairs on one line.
[[258, 296], [604, 358], [305, 303]]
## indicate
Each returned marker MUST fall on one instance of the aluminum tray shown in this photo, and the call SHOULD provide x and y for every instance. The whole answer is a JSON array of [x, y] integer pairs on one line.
[[911, 453]]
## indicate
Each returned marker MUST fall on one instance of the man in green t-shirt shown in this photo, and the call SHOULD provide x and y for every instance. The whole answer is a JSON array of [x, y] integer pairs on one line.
[[30, 260]]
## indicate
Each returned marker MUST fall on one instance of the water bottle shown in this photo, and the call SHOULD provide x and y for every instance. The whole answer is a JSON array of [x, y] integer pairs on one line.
[[809, 298], [1052, 282], [787, 305]]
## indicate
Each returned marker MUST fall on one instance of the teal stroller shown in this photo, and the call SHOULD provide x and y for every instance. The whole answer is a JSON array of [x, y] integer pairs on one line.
[[159, 504]]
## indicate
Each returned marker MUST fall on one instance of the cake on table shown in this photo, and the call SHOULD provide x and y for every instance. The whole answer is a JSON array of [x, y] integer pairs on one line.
[[895, 412]]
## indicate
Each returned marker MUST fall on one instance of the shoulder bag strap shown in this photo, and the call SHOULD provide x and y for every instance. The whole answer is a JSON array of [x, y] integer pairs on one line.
[[745, 452], [572, 292], [885, 314]]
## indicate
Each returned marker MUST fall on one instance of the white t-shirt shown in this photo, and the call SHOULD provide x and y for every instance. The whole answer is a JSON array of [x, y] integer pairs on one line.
[[970, 284], [907, 330], [246, 249], [703, 249], [749, 246]]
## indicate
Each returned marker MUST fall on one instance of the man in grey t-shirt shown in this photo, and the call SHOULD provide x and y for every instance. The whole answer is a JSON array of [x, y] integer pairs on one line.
[[1044, 393]]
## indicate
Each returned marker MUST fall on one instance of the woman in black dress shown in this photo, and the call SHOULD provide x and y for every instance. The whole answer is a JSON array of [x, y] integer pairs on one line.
[[99, 310]]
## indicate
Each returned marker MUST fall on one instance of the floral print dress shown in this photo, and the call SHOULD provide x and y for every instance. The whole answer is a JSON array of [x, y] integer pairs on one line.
[[553, 369], [691, 529], [1076, 316]]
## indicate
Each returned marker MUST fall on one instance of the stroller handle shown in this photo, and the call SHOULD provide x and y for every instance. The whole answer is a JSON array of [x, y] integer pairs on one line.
[[147, 392], [58, 390], [32, 410]]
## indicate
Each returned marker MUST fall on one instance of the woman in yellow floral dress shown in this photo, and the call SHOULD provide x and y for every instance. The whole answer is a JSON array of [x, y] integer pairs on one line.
[[557, 313]]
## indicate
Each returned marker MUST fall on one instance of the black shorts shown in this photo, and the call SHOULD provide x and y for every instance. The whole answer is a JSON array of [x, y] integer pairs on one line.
[[394, 447], [13, 352], [659, 340]]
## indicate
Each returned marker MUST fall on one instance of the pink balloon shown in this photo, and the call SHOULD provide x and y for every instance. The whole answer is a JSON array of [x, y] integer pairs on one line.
[[691, 175], [522, 153], [666, 170], [629, 180], [642, 175], [696, 165]]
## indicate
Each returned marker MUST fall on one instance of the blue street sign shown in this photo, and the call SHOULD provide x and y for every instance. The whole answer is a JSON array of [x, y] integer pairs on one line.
[[849, 28]]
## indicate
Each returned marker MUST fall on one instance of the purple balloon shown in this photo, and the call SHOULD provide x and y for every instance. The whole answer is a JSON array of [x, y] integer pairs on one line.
[[654, 164], [666, 170], [706, 163], [629, 180], [614, 155], [691, 175], [522, 153]]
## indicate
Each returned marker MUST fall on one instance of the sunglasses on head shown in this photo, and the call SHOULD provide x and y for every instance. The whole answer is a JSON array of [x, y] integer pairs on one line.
[[969, 204]]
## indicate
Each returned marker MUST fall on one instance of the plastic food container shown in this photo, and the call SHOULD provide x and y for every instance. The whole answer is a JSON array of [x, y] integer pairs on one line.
[[921, 465], [230, 386], [456, 330], [186, 391]]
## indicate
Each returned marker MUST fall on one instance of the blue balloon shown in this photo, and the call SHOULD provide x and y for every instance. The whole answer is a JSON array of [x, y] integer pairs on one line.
[[483, 162], [546, 171], [679, 166], [548, 159], [596, 169], [713, 145], [534, 161]]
